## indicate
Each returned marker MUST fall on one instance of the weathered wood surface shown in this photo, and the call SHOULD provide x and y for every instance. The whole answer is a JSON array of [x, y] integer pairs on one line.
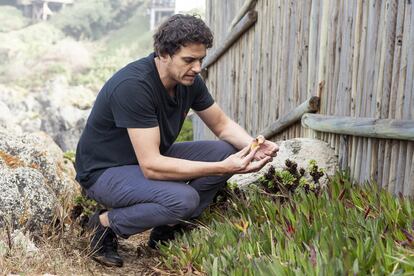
[[311, 105], [243, 10], [364, 127], [357, 55], [245, 23]]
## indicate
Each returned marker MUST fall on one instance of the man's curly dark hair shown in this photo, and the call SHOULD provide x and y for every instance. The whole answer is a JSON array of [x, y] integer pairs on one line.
[[180, 30]]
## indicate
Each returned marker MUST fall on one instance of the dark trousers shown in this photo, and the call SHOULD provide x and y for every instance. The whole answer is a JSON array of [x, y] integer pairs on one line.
[[137, 203]]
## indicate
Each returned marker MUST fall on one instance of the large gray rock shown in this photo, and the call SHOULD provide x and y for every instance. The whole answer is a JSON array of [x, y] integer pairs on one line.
[[34, 177], [301, 151], [59, 109]]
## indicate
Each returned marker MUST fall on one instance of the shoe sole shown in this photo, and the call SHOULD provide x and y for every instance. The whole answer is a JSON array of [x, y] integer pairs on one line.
[[106, 262]]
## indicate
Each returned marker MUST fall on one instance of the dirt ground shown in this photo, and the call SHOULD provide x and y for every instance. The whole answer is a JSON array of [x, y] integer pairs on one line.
[[139, 259]]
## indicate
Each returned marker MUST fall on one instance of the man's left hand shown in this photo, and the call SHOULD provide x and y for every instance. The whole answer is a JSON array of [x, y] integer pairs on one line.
[[268, 148]]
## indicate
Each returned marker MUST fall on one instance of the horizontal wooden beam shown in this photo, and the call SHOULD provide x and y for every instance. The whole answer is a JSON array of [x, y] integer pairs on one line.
[[244, 24], [311, 105], [361, 126]]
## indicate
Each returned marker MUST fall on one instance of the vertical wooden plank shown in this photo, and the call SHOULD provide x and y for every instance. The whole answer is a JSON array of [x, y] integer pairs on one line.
[[401, 162], [361, 96], [333, 38], [297, 63], [237, 72], [352, 158], [363, 67], [338, 13], [395, 144], [372, 60], [266, 93], [277, 56], [291, 54], [284, 57], [344, 82], [358, 156], [361, 90], [385, 80], [398, 147], [343, 152], [243, 82], [305, 29], [377, 87], [387, 51], [356, 69], [408, 103], [380, 160], [323, 45], [394, 86], [409, 182], [412, 175], [397, 59], [312, 49], [408, 112], [274, 64], [356, 56]]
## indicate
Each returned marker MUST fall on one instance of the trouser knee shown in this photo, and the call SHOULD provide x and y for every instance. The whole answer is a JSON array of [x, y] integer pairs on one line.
[[186, 203], [225, 149]]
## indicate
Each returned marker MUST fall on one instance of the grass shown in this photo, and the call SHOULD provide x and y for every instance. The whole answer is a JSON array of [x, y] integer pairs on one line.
[[59, 247], [339, 230]]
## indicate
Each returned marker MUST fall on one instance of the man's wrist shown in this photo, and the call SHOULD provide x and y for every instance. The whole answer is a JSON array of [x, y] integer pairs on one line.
[[222, 168]]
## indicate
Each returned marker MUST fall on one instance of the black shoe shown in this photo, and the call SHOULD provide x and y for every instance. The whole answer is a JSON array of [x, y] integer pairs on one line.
[[104, 243], [163, 234]]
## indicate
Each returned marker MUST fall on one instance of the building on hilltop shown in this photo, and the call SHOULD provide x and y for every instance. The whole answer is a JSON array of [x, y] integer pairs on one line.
[[40, 9], [159, 10]]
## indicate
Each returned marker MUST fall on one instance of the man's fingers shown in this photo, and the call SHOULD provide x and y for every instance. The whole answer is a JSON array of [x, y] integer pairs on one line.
[[264, 161], [260, 155], [255, 166], [249, 157], [244, 151]]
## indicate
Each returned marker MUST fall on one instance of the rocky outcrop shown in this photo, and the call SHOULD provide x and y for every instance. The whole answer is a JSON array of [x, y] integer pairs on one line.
[[301, 151], [58, 109], [34, 176], [64, 112]]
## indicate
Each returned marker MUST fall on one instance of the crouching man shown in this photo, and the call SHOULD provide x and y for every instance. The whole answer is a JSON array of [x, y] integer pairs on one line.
[[126, 158]]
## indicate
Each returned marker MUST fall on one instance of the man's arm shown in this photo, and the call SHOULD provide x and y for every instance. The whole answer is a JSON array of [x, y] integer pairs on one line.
[[146, 142], [228, 130], [224, 128]]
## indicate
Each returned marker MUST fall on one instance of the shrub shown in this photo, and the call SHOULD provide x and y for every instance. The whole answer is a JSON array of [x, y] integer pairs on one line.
[[93, 18], [186, 133], [11, 19], [344, 229]]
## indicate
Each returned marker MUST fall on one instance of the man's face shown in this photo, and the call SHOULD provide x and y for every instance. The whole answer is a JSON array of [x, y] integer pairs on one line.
[[185, 64]]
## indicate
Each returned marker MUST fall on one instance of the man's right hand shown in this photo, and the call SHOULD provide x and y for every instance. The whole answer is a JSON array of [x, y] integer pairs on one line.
[[243, 161]]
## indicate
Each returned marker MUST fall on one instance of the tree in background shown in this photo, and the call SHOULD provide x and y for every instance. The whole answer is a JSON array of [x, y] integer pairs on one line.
[[92, 19]]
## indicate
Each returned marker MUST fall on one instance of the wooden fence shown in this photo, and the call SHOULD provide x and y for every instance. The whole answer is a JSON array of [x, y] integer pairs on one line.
[[356, 55]]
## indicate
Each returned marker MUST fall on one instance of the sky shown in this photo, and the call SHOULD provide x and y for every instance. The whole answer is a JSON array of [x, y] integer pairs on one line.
[[186, 5]]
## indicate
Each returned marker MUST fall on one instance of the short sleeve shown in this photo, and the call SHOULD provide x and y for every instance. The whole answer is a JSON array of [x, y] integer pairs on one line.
[[203, 99], [132, 105]]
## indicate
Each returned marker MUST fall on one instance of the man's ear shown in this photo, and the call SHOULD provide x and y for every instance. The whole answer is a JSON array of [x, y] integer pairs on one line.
[[164, 58]]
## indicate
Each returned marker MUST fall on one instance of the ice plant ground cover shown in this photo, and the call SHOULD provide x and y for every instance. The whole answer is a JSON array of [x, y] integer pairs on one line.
[[341, 229]]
